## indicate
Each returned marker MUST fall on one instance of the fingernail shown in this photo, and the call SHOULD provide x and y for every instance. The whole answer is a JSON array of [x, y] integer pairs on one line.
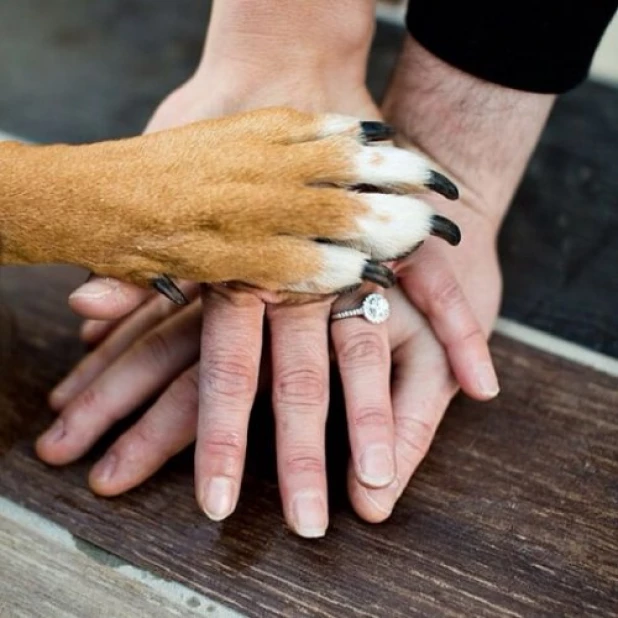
[[218, 499], [57, 398], [93, 290], [105, 468], [55, 433], [487, 380], [89, 329], [383, 500], [377, 468], [309, 514]]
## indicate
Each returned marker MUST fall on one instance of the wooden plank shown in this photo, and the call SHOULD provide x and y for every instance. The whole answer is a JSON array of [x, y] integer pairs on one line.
[[514, 512], [44, 576], [541, 340]]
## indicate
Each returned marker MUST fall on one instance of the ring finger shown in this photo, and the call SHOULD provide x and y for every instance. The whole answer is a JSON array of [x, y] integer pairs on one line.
[[363, 356]]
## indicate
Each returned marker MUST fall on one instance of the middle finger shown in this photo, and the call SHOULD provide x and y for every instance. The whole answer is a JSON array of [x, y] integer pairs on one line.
[[299, 339]]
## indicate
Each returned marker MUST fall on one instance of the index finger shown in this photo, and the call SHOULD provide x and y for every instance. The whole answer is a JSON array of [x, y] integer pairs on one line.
[[229, 366]]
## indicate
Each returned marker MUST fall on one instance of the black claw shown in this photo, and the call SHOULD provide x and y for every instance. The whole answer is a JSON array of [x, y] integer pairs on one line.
[[446, 229], [442, 185], [374, 131], [378, 273], [168, 288]]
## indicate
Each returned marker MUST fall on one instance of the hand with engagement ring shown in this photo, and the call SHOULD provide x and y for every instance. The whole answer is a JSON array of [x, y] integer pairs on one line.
[[399, 375]]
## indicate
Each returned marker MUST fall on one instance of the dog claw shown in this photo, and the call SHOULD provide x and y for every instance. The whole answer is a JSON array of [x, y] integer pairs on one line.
[[446, 229], [168, 288], [374, 131], [442, 185], [379, 274]]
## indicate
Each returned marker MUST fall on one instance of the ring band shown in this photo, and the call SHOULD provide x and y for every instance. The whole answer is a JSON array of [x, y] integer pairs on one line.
[[374, 308]]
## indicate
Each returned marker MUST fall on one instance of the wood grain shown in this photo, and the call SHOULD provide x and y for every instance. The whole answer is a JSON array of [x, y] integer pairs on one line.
[[513, 513], [43, 579]]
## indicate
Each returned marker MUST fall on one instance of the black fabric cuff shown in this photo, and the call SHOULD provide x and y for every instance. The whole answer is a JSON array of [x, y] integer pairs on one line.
[[544, 46]]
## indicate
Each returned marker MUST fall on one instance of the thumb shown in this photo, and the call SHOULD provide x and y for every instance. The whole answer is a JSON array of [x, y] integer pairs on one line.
[[106, 299]]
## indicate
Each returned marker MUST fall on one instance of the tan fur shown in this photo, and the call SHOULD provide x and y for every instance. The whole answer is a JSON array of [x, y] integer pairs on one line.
[[237, 198]]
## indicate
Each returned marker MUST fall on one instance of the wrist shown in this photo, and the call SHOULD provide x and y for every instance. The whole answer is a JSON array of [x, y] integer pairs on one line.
[[482, 134], [287, 42]]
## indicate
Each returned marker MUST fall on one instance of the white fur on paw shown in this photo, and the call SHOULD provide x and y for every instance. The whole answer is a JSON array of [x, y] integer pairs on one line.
[[337, 124], [394, 225], [386, 166], [341, 268]]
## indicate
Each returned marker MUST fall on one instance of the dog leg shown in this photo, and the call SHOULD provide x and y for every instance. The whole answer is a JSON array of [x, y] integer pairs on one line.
[[269, 198]]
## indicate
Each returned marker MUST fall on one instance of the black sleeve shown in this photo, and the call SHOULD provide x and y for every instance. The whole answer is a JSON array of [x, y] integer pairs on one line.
[[542, 46]]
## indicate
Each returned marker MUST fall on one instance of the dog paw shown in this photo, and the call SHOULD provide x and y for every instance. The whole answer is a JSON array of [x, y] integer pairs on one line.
[[276, 199]]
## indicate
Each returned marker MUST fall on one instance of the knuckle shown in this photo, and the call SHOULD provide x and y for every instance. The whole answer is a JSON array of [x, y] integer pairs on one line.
[[142, 434], [447, 296], [414, 437], [162, 308], [470, 333], [224, 297], [183, 393], [103, 355], [89, 400], [300, 386], [303, 462], [157, 347], [225, 450], [224, 442], [230, 377], [371, 417], [362, 349]]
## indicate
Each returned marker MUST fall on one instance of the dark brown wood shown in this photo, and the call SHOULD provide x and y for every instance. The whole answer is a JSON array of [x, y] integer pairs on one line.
[[514, 512]]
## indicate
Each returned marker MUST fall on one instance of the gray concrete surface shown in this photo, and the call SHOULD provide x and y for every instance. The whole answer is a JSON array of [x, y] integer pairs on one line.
[[82, 70]]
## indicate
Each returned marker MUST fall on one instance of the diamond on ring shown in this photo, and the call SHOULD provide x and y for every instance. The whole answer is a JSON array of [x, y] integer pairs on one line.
[[374, 308]]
